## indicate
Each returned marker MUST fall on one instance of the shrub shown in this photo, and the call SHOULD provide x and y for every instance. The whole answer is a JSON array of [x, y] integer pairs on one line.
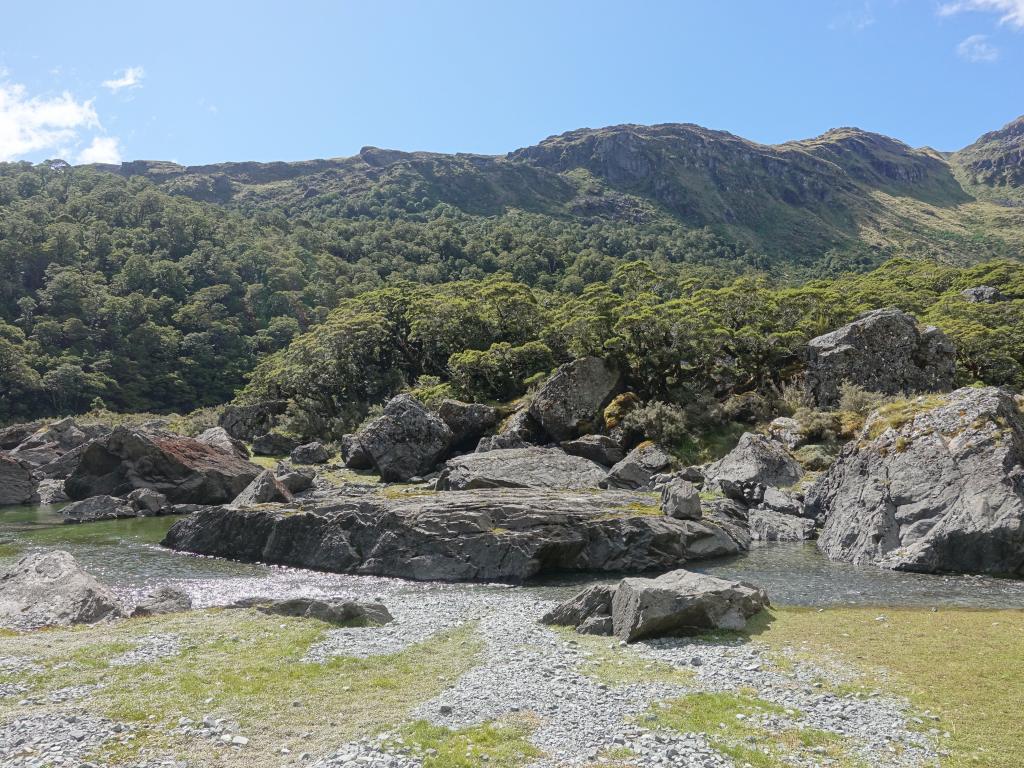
[[748, 407], [500, 372], [855, 399], [663, 423]]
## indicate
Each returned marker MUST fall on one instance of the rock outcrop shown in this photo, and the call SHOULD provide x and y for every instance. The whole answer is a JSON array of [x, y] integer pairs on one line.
[[273, 444], [51, 442], [492, 535], [520, 468], [881, 351], [931, 484], [17, 483], [680, 500], [406, 441], [353, 454], [571, 402], [638, 469], [677, 603], [51, 589], [266, 488], [246, 422], [602, 449], [97, 508], [219, 438], [185, 470], [468, 422], [769, 525], [337, 612], [163, 600], [755, 461], [310, 453], [519, 430]]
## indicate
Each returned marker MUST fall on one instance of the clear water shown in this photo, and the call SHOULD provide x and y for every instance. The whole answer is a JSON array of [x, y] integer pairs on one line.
[[126, 555]]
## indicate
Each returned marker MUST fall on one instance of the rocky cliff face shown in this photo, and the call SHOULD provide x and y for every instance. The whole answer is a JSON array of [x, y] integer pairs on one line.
[[995, 162], [931, 484]]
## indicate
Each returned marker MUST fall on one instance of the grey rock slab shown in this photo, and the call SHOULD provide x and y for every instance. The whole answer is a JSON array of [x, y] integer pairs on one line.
[[520, 468]]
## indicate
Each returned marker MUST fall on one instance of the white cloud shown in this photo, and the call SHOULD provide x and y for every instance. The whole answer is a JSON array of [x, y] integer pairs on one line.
[[30, 125], [976, 48], [856, 19], [131, 78], [1011, 11], [104, 149]]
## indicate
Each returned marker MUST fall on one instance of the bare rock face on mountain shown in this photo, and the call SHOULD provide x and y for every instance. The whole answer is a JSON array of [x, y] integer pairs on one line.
[[682, 603], [17, 484], [931, 484], [488, 534], [467, 421], [756, 460], [570, 402], [246, 422], [185, 470], [51, 589], [520, 468], [881, 351], [406, 441]]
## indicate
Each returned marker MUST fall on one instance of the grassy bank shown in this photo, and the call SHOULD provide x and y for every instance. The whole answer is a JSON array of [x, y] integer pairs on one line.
[[966, 667]]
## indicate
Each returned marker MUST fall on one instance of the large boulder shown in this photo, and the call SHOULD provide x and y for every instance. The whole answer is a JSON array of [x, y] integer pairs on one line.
[[273, 444], [246, 422], [51, 589], [49, 443], [310, 453], [353, 454], [931, 484], [183, 469], [520, 430], [97, 508], [520, 468], [14, 435], [17, 483], [338, 612], [406, 441], [682, 603], [882, 351], [600, 448], [571, 402], [266, 488], [489, 535], [589, 612], [680, 499], [756, 460], [219, 438], [768, 525], [638, 469], [467, 421]]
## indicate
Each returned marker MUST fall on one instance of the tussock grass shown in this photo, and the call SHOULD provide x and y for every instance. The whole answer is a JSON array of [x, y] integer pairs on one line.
[[501, 744], [966, 667], [901, 412], [245, 667]]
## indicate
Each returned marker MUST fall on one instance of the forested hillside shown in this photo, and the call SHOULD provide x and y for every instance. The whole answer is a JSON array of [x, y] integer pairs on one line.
[[152, 286]]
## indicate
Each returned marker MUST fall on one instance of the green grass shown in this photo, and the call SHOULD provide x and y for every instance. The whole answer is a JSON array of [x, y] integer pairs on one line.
[[966, 667], [502, 744], [731, 723], [712, 445], [611, 664], [243, 666], [901, 412]]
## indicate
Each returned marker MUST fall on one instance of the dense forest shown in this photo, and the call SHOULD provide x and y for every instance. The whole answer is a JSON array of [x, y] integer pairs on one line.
[[154, 287]]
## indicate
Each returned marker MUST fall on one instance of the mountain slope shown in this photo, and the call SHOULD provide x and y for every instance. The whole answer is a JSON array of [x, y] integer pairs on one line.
[[993, 166]]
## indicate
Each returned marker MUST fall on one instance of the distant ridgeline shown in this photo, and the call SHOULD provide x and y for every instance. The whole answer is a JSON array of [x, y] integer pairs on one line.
[[701, 260]]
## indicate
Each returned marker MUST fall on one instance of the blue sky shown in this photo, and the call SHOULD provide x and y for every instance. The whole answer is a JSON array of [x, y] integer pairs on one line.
[[201, 82]]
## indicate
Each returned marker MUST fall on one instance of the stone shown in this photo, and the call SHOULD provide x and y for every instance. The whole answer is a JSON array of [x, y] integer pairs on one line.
[[508, 535], [468, 422], [593, 601], [62, 467], [519, 468], [97, 508], [273, 444], [219, 438], [769, 525], [933, 485], [265, 488], [14, 435], [51, 589], [353, 454], [295, 480], [682, 603], [310, 453], [638, 469], [246, 422], [17, 483], [50, 442], [183, 469], [598, 448], [571, 402], [680, 500], [520, 430], [597, 625], [780, 501], [883, 351], [786, 431], [756, 459], [815, 458], [336, 612], [983, 294], [163, 600], [147, 502], [406, 441]]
